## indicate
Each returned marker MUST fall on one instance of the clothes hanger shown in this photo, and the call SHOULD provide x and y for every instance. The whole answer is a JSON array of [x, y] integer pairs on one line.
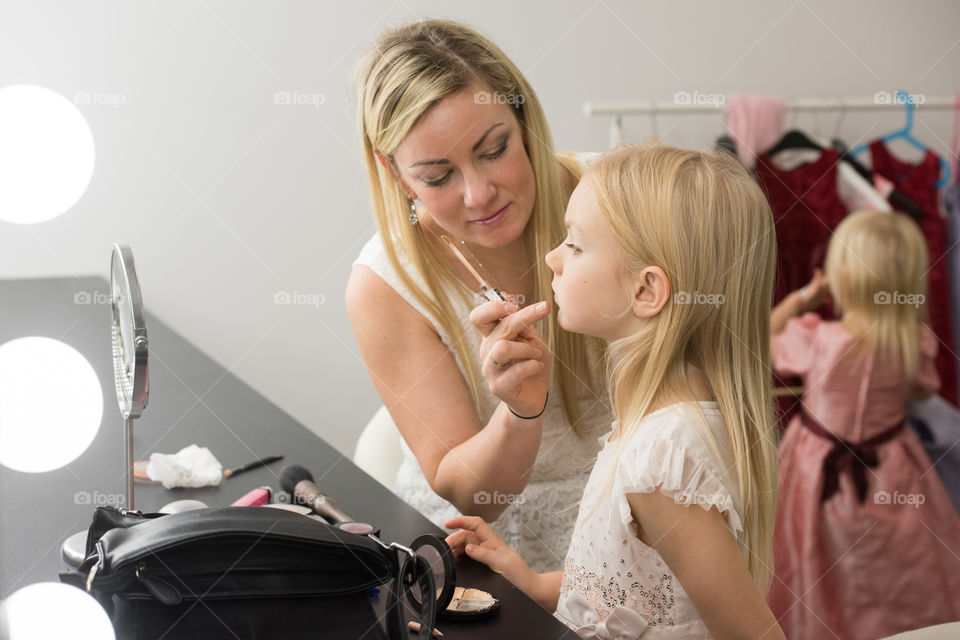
[[794, 139], [905, 134], [843, 117], [898, 199]]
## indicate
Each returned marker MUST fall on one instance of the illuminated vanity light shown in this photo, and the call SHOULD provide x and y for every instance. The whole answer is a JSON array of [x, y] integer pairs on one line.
[[55, 610], [51, 404], [46, 155]]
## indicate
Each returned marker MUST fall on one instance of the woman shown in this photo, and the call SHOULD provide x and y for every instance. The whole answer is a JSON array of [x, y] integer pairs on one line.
[[456, 144]]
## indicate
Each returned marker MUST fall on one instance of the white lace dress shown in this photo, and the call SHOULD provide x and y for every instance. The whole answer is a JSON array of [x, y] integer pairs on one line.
[[537, 524], [615, 586]]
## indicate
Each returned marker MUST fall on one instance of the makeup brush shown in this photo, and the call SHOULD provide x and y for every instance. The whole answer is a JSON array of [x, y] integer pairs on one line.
[[229, 473], [490, 292]]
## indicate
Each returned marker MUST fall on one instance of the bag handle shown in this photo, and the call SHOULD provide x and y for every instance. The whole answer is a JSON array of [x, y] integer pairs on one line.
[[412, 571]]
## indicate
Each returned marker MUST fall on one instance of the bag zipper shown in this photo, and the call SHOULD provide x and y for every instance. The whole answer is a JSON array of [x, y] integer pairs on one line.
[[96, 567], [160, 589]]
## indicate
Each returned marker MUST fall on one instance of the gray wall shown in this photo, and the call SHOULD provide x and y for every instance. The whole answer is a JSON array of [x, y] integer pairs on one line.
[[228, 198]]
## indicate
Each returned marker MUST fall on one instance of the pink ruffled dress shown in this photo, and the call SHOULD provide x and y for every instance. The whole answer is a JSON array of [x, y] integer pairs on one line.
[[867, 543]]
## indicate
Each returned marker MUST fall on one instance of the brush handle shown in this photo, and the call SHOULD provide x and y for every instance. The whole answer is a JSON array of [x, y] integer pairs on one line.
[[308, 493]]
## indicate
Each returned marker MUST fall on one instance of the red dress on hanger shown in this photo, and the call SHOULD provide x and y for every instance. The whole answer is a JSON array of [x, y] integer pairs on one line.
[[806, 209], [917, 181]]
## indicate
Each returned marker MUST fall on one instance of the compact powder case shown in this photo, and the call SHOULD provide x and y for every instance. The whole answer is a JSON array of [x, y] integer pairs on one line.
[[453, 603]]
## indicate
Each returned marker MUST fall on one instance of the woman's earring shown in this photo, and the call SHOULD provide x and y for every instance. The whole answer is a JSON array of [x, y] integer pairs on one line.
[[414, 204]]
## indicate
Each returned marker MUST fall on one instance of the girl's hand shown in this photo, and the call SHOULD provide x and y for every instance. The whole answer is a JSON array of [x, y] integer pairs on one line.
[[812, 295], [516, 362], [479, 541]]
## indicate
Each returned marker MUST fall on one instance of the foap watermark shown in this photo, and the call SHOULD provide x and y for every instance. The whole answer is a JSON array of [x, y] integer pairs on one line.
[[299, 297], [885, 297], [485, 97], [716, 100], [94, 297], [712, 299], [898, 97], [885, 497], [485, 497], [99, 98], [98, 499], [299, 98]]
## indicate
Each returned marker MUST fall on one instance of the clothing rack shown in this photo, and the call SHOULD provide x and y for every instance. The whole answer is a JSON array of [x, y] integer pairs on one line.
[[685, 103], [883, 101]]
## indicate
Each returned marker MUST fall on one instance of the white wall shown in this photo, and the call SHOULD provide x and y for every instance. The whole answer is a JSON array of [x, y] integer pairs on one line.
[[228, 198]]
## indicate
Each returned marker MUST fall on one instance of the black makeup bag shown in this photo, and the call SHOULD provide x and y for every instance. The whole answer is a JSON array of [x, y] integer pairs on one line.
[[248, 572]]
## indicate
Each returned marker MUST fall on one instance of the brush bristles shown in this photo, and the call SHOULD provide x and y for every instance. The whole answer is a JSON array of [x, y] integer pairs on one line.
[[293, 475]]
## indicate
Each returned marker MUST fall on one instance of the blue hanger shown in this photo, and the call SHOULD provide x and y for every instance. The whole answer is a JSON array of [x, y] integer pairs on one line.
[[906, 135]]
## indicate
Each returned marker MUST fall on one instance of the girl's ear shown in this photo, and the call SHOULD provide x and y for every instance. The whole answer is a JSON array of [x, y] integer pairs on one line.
[[651, 292]]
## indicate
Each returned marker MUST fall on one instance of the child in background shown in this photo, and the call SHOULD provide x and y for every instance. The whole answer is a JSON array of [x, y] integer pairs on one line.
[[867, 543], [669, 257]]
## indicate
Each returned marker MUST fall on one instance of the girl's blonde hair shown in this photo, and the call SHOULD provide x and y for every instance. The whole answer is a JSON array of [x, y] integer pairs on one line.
[[876, 268], [409, 70], [706, 223]]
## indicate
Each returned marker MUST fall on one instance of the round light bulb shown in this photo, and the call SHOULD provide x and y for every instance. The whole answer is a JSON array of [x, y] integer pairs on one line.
[[51, 404], [53, 610], [46, 154]]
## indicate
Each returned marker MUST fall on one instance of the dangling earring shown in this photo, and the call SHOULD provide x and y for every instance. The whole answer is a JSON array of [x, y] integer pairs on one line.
[[414, 204]]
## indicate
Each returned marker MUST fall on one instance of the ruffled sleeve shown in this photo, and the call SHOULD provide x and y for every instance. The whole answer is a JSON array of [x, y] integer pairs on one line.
[[678, 470], [928, 379], [794, 347]]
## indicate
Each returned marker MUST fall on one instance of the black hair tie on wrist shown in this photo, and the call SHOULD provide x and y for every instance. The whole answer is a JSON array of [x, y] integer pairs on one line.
[[532, 417]]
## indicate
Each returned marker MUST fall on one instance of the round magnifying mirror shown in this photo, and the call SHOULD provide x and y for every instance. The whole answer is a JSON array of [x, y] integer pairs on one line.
[[130, 373], [129, 334]]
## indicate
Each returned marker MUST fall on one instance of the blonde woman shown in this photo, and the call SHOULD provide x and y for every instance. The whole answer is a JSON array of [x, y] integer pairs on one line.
[[867, 543], [670, 257], [455, 143]]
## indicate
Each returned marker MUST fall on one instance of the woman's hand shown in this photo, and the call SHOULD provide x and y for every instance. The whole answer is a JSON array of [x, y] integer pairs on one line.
[[479, 541], [515, 361]]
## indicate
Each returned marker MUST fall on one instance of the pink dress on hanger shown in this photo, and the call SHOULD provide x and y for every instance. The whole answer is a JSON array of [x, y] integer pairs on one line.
[[866, 543]]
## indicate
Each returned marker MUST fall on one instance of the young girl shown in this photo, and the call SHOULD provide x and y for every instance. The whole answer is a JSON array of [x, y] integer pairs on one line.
[[670, 257], [867, 543]]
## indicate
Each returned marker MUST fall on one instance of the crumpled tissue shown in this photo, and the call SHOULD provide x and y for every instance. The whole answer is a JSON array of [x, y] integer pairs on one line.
[[192, 466]]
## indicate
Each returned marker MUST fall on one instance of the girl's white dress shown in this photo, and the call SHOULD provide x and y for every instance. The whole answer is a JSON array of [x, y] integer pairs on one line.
[[615, 586]]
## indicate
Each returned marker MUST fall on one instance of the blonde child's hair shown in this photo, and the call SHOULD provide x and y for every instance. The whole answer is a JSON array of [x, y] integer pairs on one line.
[[705, 222], [408, 70], [876, 267]]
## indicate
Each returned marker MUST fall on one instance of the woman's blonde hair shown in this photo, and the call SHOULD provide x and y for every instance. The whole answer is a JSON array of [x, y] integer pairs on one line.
[[706, 223], [409, 70], [876, 268]]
